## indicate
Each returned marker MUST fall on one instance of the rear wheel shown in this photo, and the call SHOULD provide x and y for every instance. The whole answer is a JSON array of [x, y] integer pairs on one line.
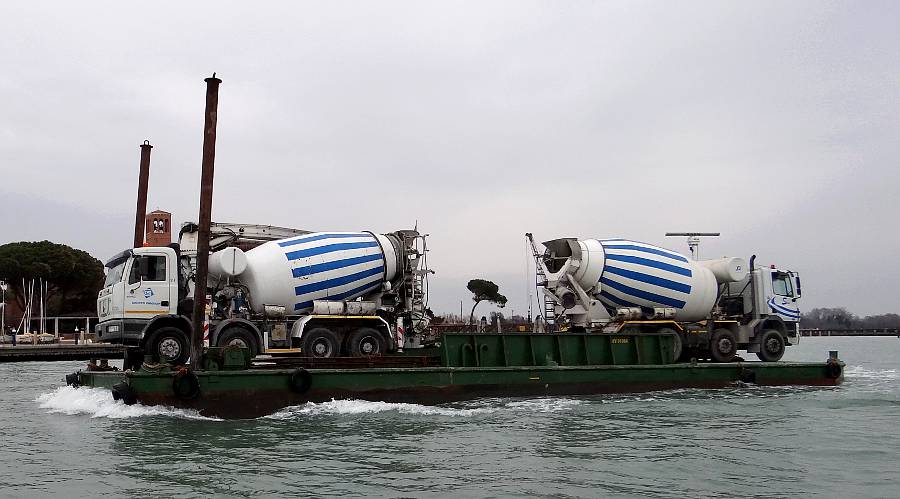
[[320, 342], [771, 346], [240, 337], [723, 346], [365, 341], [169, 345], [678, 345]]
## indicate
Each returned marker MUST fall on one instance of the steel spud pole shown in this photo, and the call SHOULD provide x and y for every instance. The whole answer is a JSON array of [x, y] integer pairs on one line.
[[143, 180], [206, 194]]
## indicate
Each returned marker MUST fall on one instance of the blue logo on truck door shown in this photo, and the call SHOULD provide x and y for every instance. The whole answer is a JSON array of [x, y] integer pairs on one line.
[[148, 293]]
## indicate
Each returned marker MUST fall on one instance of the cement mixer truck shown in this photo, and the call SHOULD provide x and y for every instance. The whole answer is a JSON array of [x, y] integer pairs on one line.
[[713, 308], [271, 290]]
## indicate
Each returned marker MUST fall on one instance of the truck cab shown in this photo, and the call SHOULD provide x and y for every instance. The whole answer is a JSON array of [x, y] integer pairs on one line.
[[141, 284]]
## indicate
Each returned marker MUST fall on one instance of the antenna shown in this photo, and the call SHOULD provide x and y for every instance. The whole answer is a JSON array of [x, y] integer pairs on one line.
[[693, 240]]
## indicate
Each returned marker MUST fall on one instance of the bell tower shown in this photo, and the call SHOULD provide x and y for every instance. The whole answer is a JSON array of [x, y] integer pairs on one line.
[[158, 226]]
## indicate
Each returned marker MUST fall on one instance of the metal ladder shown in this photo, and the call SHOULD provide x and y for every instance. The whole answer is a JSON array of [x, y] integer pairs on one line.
[[540, 279]]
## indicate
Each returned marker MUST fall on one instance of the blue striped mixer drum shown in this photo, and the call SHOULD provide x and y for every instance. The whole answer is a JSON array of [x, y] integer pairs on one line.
[[624, 273], [318, 266]]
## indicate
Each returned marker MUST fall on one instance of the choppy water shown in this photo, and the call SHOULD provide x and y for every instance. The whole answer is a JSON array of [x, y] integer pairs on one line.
[[741, 442]]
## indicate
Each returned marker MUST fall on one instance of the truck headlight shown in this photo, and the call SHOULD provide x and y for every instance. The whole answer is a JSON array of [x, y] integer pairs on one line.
[[113, 329]]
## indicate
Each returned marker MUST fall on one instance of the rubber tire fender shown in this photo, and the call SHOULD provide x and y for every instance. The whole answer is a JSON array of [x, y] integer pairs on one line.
[[300, 380], [186, 385], [833, 370], [122, 391]]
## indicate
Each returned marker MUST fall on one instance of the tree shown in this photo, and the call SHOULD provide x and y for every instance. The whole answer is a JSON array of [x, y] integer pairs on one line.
[[484, 291], [73, 276]]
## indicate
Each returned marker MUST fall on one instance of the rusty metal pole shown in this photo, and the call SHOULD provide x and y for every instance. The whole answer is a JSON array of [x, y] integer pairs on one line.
[[143, 179], [206, 193]]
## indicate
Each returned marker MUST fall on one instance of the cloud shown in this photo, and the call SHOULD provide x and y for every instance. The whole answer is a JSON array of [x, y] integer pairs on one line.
[[773, 123]]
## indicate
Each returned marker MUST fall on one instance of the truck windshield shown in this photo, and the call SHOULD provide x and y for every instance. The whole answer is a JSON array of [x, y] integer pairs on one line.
[[781, 284], [114, 274]]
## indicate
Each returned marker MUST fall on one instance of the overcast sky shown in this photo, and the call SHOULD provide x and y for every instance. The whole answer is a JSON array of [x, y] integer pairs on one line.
[[775, 123]]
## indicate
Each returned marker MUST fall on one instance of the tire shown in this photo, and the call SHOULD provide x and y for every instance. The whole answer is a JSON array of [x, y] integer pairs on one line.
[[366, 341], [300, 380], [320, 342], [678, 346], [723, 345], [771, 346], [122, 391], [186, 385], [239, 336], [169, 345]]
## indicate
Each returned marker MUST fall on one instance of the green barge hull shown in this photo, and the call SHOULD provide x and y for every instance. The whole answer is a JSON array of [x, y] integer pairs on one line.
[[470, 366]]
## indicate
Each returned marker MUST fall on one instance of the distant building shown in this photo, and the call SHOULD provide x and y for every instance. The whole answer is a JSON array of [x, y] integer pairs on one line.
[[159, 228]]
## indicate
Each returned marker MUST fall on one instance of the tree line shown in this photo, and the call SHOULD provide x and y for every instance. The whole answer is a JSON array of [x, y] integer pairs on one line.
[[840, 318]]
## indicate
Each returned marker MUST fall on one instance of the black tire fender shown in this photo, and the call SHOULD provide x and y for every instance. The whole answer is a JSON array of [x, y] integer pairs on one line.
[[73, 380], [122, 391], [186, 385], [833, 370], [300, 380]]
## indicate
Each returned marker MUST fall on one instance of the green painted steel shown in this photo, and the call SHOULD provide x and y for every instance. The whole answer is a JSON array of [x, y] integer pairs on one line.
[[568, 349], [764, 373]]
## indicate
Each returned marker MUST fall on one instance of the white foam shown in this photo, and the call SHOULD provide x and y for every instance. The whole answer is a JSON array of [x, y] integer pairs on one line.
[[354, 407], [98, 403], [485, 406], [880, 374]]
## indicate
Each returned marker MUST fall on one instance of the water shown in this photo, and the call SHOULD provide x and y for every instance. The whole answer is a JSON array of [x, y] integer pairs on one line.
[[747, 442]]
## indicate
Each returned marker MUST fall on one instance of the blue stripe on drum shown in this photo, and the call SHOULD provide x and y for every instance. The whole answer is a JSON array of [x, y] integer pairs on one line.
[[613, 300], [329, 248], [651, 263], [641, 294], [338, 281], [337, 264], [644, 249], [353, 293], [650, 279], [319, 237]]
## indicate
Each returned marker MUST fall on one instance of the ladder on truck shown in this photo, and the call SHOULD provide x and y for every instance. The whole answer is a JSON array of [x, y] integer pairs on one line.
[[540, 280]]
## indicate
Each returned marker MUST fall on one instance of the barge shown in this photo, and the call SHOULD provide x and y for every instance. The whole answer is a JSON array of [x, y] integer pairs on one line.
[[461, 367]]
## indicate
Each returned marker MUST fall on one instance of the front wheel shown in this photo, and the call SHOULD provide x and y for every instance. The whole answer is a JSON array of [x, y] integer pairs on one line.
[[169, 345], [723, 347], [771, 346]]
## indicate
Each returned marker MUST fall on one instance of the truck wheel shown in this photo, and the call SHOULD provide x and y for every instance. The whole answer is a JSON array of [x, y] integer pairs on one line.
[[170, 345], [723, 346], [240, 337], [677, 346], [771, 346], [365, 341], [320, 342]]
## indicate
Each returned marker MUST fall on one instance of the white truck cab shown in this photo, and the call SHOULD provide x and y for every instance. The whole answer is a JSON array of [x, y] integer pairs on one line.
[[141, 284]]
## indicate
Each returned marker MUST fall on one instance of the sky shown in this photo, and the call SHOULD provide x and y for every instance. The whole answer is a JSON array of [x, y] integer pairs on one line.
[[774, 123]]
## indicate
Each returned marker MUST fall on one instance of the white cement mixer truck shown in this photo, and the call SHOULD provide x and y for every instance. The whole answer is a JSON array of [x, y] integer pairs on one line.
[[712, 307], [272, 290]]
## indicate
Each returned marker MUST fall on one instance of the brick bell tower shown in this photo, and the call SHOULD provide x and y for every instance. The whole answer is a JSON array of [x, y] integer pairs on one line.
[[158, 227]]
